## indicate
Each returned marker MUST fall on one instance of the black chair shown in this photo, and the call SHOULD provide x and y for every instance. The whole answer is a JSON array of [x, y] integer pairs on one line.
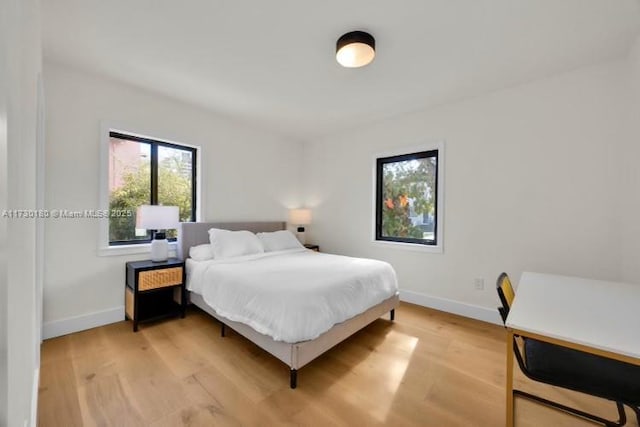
[[572, 369]]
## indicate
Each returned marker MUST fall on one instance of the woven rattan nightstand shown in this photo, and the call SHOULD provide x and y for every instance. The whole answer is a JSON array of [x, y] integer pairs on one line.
[[154, 290]]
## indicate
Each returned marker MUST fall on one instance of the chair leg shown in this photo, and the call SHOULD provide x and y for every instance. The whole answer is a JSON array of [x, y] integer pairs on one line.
[[392, 314], [293, 378], [636, 409], [577, 412], [622, 415]]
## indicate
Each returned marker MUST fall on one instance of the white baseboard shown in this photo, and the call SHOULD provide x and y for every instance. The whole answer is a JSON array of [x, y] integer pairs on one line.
[[451, 306], [69, 325]]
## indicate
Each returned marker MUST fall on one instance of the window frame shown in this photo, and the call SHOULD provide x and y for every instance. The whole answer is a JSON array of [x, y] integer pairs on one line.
[[105, 247], [153, 193], [403, 154]]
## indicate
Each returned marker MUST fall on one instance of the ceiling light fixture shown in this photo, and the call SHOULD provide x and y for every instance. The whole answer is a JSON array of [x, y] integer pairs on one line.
[[355, 49]]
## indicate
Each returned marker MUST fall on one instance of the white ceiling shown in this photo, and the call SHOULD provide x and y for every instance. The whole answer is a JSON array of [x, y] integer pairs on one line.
[[272, 63]]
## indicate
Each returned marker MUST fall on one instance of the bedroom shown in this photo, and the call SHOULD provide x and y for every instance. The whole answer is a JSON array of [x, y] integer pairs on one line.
[[540, 135]]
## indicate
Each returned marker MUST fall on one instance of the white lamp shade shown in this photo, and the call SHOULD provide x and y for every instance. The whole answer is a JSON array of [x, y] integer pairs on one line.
[[300, 216], [355, 55], [154, 217]]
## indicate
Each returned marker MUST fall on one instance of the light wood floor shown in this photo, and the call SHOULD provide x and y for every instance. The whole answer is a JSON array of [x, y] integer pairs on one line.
[[427, 368]]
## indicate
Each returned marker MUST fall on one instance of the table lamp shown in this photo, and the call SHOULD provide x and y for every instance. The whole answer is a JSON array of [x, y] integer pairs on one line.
[[158, 219], [300, 218]]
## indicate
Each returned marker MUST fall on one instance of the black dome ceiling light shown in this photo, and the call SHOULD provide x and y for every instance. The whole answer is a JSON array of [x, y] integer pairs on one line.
[[355, 49]]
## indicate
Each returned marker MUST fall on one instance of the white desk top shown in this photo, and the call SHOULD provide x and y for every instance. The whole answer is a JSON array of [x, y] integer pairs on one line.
[[594, 313]]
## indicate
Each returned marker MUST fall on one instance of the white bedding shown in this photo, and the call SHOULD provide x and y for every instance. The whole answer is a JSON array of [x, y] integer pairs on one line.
[[293, 295]]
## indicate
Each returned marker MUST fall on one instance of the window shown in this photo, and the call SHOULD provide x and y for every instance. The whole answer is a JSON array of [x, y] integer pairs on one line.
[[408, 199], [145, 171]]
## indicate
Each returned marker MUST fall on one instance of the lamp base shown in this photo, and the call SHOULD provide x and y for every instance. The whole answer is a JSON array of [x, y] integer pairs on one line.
[[159, 250]]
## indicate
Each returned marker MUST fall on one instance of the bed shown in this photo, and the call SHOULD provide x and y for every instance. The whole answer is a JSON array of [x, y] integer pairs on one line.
[[293, 354]]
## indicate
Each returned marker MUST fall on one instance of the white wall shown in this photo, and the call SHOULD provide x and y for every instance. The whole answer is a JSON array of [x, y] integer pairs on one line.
[[246, 175], [538, 177], [20, 66], [630, 177], [4, 198], [529, 180]]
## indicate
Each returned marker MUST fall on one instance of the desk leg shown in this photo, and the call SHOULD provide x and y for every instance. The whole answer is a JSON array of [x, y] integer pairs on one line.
[[510, 418]]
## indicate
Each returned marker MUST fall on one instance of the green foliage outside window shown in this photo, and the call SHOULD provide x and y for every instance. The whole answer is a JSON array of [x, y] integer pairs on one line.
[[408, 190], [174, 189]]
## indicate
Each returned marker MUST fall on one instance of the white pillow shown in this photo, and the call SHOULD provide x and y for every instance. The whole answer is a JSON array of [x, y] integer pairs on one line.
[[201, 252], [279, 241], [228, 244]]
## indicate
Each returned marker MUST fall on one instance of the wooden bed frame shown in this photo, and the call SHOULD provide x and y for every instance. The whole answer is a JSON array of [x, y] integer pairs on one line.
[[295, 355]]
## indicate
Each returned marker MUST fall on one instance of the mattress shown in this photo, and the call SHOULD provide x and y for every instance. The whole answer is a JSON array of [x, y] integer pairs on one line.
[[294, 295]]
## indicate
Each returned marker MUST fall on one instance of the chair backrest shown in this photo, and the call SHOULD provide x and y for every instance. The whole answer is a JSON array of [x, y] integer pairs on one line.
[[506, 294]]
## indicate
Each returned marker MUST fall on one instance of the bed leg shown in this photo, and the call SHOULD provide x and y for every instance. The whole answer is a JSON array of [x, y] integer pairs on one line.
[[293, 379], [392, 314], [222, 329]]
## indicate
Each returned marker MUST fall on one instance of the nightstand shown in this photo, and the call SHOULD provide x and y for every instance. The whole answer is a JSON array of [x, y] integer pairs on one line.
[[312, 247], [154, 290]]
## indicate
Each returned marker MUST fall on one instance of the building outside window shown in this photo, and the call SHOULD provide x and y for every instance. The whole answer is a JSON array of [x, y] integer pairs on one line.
[[144, 171]]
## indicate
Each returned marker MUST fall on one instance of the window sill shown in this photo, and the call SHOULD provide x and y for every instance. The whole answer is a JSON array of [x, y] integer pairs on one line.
[[144, 248], [416, 247]]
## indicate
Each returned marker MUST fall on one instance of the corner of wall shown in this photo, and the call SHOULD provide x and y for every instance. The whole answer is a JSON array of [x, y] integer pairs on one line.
[[22, 62]]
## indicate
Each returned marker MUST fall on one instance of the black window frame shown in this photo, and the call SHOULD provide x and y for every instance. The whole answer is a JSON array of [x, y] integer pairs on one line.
[[380, 162], [153, 150]]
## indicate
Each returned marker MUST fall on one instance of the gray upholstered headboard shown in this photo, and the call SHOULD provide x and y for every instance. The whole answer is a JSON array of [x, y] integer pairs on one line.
[[197, 233]]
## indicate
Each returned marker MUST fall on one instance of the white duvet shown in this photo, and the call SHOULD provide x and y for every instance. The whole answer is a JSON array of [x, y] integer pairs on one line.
[[294, 295]]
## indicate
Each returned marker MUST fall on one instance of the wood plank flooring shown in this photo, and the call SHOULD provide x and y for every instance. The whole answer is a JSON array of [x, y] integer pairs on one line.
[[428, 368]]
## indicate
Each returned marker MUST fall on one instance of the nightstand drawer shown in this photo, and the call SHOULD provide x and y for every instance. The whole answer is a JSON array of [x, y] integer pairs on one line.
[[154, 279]]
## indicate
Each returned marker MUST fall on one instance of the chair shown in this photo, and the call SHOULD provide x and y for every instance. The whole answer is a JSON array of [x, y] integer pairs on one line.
[[572, 369]]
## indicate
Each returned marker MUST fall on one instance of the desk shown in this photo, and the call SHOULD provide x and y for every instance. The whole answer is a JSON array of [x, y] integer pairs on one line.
[[594, 316]]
